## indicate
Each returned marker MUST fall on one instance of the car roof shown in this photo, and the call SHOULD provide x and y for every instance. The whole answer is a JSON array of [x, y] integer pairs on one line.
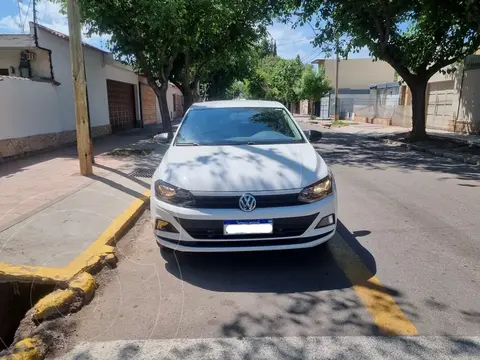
[[238, 104]]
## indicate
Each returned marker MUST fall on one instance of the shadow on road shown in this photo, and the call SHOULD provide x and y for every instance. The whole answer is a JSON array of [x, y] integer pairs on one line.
[[270, 271], [306, 291], [357, 151]]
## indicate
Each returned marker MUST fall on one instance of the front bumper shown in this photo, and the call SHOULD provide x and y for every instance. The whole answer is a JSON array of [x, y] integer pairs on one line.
[[305, 237]]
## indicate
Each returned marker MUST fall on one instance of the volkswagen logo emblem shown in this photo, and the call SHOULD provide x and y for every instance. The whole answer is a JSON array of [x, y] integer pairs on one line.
[[247, 202]]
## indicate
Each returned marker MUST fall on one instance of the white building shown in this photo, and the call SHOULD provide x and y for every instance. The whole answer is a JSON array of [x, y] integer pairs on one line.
[[36, 93]]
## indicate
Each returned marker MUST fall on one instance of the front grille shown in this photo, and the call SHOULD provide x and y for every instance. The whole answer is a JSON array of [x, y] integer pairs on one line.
[[213, 229], [242, 243], [231, 202]]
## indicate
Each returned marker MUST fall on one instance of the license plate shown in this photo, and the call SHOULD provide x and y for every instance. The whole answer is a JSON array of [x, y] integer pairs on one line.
[[235, 227]]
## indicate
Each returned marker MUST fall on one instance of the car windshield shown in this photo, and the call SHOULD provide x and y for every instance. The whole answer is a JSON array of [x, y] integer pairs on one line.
[[238, 126]]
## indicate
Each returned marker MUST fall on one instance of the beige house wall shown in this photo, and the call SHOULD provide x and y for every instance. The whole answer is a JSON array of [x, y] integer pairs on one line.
[[458, 102], [357, 73]]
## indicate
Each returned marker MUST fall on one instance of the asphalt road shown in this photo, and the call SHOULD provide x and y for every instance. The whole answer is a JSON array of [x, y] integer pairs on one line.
[[405, 260]]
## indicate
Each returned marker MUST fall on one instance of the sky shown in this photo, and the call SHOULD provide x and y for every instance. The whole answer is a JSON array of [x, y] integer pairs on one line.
[[15, 15]]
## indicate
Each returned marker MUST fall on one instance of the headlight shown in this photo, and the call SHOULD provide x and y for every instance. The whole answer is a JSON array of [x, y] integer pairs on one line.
[[173, 195], [318, 191]]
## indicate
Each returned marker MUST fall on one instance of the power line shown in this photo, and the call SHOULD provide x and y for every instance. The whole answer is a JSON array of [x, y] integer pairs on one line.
[[295, 42], [311, 58], [26, 16], [308, 55], [45, 10], [291, 39], [19, 14]]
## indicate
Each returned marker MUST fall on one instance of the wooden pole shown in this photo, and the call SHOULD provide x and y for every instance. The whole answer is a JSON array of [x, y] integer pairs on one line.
[[337, 65], [84, 146]]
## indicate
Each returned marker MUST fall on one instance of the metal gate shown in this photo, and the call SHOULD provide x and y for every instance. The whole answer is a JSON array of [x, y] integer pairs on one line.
[[324, 109], [440, 110], [121, 105]]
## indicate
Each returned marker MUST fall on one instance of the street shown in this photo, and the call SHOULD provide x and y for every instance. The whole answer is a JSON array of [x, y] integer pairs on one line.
[[404, 260]]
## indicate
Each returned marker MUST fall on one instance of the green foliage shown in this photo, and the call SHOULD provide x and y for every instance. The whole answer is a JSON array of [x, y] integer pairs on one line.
[[286, 80], [223, 33], [416, 37], [184, 41], [237, 90], [313, 84], [223, 74], [286, 76]]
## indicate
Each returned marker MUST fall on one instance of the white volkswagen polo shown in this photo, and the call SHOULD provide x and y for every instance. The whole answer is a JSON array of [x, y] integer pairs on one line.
[[242, 176]]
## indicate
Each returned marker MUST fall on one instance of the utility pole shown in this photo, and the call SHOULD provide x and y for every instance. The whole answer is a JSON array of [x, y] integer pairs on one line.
[[34, 9], [337, 64], [84, 146]]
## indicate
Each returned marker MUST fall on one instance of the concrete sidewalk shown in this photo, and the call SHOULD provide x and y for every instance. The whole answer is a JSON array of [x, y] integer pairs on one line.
[[466, 148], [54, 222], [380, 130]]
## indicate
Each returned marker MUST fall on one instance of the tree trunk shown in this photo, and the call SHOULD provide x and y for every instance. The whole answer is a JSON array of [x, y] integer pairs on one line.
[[161, 93], [187, 97], [418, 89], [196, 91]]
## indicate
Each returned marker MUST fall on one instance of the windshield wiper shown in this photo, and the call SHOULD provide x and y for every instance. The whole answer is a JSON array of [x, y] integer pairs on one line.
[[250, 143]]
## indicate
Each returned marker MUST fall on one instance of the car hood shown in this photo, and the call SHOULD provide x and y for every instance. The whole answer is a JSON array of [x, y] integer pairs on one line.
[[242, 167]]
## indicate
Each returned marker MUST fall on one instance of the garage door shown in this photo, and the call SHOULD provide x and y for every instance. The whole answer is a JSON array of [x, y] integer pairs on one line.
[[440, 109], [121, 105], [149, 105]]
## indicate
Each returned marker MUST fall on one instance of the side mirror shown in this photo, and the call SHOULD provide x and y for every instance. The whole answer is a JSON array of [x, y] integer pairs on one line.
[[162, 138], [313, 135]]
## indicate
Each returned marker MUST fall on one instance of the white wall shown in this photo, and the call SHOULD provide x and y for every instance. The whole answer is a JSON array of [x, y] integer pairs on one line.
[[96, 80], [11, 57], [34, 108], [30, 108]]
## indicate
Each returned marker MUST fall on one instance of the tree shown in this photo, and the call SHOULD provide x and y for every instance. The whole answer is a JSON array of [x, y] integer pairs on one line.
[[286, 78], [223, 71], [260, 84], [221, 31], [313, 84], [237, 90], [416, 37], [148, 34], [175, 40]]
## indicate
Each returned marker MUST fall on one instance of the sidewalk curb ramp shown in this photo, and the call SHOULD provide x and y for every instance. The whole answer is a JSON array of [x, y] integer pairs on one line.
[[74, 286], [467, 159]]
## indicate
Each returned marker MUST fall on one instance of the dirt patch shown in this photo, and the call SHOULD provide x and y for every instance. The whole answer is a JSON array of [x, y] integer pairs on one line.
[[341, 123], [130, 152]]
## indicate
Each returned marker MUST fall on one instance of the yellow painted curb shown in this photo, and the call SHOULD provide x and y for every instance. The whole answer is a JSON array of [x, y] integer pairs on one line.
[[102, 249], [27, 273], [27, 349], [53, 303], [84, 282]]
